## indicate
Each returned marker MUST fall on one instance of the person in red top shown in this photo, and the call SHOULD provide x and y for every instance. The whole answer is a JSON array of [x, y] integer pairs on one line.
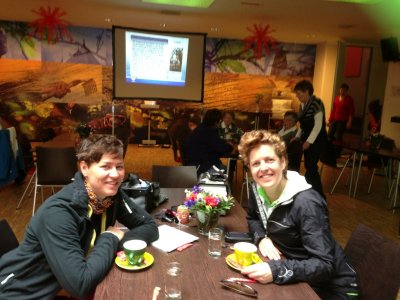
[[341, 114]]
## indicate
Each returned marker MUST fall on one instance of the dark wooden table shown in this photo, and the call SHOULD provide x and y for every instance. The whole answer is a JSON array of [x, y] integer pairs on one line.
[[201, 273], [360, 149]]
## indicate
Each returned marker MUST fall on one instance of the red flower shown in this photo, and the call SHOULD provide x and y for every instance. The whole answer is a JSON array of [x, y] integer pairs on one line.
[[211, 201]]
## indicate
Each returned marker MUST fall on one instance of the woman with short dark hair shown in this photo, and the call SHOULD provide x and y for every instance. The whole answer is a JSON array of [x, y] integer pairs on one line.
[[314, 135], [71, 241]]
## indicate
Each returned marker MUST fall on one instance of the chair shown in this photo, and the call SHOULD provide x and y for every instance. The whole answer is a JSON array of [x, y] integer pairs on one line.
[[8, 240], [174, 176], [377, 262], [247, 181], [55, 167], [295, 153], [375, 162], [329, 158]]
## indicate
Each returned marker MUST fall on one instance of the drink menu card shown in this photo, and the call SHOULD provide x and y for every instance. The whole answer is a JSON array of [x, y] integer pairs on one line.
[[172, 238]]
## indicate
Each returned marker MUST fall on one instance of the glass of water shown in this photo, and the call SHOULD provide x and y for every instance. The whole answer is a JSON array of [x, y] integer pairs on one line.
[[215, 237], [173, 281]]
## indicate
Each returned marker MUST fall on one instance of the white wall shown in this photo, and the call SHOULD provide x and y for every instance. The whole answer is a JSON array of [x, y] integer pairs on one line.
[[391, 105]]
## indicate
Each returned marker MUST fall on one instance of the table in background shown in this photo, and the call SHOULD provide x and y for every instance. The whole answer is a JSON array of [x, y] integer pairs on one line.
[[359, 149], [201, 273]]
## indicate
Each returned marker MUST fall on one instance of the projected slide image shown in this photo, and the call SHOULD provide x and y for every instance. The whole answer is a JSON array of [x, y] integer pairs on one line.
[[153, 59], [175, 63]]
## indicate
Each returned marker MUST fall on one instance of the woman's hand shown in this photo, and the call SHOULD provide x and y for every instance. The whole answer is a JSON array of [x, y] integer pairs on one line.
[[268, 249], [260, 272], [306, 145], [115, 231]]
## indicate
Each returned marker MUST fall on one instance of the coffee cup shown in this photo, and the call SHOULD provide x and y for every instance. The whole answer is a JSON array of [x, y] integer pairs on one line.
[[245, 253], [134, 251]]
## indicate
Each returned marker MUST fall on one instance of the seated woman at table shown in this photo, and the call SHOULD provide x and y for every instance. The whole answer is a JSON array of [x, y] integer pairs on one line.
[[288, 217], [71, 241]]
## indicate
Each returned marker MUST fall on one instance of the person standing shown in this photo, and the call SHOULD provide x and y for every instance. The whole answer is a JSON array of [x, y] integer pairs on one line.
[[314, 136], [341, 115]]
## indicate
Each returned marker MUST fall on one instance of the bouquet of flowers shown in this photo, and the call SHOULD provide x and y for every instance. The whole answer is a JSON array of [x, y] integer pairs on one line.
[[200, 200]]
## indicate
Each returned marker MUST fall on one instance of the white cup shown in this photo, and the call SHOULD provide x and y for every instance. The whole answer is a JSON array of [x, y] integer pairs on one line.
[[215, 237]]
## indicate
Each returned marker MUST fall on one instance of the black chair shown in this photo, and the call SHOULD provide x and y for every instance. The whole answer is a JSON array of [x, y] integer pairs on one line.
[[174, 176], [295, 153], [329, 158], [55, 167], [8, 240], [377, 262]]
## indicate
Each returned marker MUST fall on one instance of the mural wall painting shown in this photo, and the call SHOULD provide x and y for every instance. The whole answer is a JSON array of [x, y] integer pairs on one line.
[[67, 85]]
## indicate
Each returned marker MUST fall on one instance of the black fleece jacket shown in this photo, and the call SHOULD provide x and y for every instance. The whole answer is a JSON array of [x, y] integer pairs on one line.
[[55, 251]]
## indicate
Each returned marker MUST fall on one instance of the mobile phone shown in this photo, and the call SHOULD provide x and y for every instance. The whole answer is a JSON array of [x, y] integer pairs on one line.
[[236, 236]]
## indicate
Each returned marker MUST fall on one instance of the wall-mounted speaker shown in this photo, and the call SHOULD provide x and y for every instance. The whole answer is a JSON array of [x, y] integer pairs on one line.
[[390, 49]]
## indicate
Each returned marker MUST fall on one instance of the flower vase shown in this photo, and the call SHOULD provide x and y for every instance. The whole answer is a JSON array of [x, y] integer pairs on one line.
[[206, 221]]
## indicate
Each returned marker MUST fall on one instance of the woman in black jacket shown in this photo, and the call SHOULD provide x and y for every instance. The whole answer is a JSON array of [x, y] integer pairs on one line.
[[288, 217], [71, 241]]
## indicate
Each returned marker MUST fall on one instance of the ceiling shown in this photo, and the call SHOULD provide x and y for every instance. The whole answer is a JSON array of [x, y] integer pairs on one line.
[[298, 21]]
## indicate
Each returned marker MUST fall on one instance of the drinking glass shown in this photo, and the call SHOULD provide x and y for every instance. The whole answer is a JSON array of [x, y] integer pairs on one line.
[[215, 237], [173, 281]]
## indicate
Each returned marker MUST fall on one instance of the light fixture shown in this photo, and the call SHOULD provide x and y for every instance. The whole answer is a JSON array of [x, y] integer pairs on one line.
[[186, 3]]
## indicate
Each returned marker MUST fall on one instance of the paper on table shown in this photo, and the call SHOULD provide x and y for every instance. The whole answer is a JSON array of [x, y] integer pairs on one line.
[[172, 238]]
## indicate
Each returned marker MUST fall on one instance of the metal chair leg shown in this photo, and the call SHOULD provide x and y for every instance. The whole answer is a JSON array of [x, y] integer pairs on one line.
[[26, 189], [34, 198], [370, 182]]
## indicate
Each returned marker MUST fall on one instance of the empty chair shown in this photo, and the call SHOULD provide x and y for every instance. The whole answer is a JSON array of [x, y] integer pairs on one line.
[[55, 167], [174, 176], [377, 262], [8, 240]]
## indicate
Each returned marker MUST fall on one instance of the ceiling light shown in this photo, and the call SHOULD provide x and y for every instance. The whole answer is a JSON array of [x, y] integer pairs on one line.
[[186, 3]]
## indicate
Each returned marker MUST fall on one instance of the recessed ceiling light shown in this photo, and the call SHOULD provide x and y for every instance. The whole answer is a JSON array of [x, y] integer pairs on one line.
[[108, 20], [186, 3]]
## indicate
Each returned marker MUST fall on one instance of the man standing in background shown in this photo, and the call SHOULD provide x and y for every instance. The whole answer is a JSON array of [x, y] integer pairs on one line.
[[341, 115]]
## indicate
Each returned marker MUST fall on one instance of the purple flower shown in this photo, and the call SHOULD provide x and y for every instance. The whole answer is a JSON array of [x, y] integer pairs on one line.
[[189, 203]]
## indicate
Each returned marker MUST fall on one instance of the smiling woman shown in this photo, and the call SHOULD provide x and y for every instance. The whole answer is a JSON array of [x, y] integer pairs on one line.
[[74, 222], [288, 217]]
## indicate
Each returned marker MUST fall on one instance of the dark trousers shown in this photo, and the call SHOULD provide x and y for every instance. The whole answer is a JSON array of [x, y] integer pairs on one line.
[[311, 158], [335, 133]]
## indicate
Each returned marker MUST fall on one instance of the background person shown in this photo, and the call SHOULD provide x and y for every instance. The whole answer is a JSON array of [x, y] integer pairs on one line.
[[374, 113], [228, 130], [231, 133], [290, 134], [287, 216], [204, 147], [314, 136], [71, 241], [341, 115], [178, 133]]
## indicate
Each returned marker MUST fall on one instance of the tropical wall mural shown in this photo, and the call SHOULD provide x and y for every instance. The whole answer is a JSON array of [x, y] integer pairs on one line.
[[50, 86]]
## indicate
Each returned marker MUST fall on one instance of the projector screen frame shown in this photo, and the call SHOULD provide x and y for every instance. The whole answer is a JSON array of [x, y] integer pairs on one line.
[[191, 80]]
